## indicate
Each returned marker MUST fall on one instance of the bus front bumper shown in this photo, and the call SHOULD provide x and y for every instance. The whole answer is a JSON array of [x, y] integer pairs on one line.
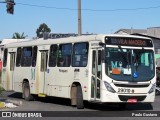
[[127, 98]]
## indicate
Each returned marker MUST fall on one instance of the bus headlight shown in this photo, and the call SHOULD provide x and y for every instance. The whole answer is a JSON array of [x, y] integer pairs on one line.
[[152, 88], [109, 87]]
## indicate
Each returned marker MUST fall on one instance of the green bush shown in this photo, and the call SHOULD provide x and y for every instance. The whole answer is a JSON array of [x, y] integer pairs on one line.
[[1, 89]]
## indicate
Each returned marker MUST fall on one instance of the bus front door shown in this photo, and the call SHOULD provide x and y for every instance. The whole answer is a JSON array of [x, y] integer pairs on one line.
[[11, 74], [12, 64], [43, 73], [96, 75]]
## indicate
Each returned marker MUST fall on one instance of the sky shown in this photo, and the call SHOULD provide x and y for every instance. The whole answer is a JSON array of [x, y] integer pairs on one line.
[[98, 16]]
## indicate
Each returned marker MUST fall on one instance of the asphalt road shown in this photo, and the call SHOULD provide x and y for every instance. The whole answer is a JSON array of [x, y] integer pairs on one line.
[[59, 104]]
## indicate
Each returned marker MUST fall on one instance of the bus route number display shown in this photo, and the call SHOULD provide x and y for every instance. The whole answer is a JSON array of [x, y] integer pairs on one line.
[[128, 42]]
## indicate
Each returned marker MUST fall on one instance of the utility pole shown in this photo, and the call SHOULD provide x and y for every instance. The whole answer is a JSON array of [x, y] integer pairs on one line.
[[79, 18]]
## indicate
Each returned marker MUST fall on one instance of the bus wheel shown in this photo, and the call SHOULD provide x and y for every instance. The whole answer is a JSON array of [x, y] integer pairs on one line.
[[26, 92], [80, 104]]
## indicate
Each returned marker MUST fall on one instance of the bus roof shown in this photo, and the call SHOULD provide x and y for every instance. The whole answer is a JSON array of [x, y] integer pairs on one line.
[[8, 41], [83, 38]]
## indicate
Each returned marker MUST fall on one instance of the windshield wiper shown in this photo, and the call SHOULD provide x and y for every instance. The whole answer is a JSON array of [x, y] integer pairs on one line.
[[137, 56], [124, 58]]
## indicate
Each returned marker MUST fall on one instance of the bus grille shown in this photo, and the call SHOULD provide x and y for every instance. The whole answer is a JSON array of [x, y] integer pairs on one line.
[[132, 85], [125, 98]]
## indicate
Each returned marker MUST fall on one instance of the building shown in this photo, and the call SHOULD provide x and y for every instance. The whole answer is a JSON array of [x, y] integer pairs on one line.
[[153, 33], [131, 31]]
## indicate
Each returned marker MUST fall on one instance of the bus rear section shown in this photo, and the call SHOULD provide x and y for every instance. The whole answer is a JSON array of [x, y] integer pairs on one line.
[[8, 69]]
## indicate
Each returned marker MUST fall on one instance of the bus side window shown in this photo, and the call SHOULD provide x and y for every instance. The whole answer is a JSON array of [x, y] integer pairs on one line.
[[53, 55], [5, 57], [99, 71], [64, 55], [93, 63], [18, 59], [80, 55], [27, 57], [34, 56]]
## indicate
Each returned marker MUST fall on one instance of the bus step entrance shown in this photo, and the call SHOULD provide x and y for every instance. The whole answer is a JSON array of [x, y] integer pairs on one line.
[[41, 95], [157, 90]]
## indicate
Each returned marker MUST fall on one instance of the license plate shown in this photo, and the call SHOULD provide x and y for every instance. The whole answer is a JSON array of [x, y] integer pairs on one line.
[[132, 101]]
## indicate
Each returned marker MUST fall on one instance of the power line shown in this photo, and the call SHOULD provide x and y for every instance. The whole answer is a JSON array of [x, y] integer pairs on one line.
[[93, 10], [40, 6]]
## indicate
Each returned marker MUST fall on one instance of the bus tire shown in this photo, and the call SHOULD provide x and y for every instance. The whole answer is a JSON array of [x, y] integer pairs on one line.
[[80, 104], [26, 92]]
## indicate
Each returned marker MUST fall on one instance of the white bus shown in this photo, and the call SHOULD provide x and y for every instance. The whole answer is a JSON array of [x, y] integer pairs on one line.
[[95, 68]]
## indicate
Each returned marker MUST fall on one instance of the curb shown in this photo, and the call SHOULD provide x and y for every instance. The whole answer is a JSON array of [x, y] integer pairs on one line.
[[17, 103], [10, 104]]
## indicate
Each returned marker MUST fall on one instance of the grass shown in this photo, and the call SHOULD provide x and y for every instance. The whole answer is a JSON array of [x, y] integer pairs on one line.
[[1, 89]]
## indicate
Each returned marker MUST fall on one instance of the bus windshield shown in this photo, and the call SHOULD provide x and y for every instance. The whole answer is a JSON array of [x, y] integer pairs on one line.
[[132, 65]]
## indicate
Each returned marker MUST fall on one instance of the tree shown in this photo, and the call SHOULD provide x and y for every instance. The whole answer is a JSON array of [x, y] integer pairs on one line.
[[42, 29], [17, 35]]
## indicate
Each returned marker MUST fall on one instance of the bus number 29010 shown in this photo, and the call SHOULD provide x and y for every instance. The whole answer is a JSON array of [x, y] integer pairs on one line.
[[124, 90]]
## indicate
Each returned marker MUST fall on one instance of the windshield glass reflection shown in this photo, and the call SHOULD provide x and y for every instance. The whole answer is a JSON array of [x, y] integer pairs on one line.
[[129, 64]]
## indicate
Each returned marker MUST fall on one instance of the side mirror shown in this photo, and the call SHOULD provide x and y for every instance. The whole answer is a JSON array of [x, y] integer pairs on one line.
[[102, 44]]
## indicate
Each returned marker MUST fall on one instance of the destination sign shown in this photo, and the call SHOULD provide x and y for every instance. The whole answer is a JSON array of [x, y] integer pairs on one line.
[[128, 42]]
